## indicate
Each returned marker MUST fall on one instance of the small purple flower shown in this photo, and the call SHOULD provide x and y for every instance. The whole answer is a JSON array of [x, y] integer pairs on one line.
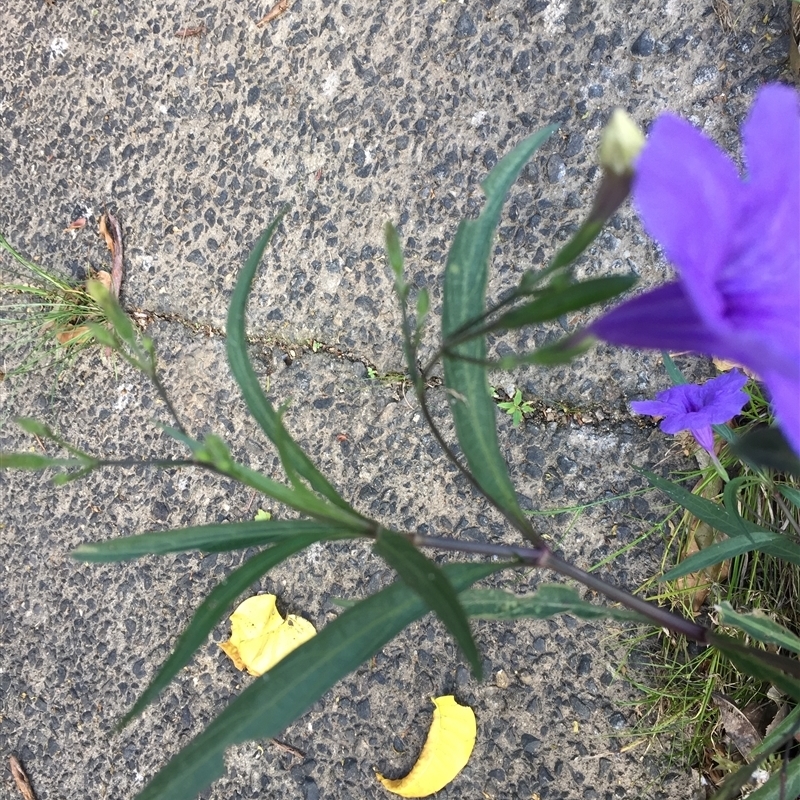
[[735, 244], [695, 408]]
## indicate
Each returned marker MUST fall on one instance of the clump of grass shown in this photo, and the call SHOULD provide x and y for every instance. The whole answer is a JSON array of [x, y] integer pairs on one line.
[[681, 680], [42, 316]]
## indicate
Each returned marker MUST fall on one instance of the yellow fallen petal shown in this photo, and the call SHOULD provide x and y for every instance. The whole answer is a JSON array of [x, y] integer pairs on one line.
[[446, 752], [261, 637]]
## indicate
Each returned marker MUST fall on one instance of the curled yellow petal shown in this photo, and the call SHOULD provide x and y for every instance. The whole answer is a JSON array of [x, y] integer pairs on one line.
[[261, 637], [446, 752]]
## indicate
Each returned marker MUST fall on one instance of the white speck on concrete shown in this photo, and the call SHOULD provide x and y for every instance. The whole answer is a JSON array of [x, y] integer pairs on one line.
[[478, 117], [331, 84], [314, 554], [58, 47], [124, 393]]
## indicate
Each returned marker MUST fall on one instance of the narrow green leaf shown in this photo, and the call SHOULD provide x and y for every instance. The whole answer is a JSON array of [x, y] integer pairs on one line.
[[561, 352], [767, 447], [774, 741], [573, 297], [675, 375], [103, 335], [712, 513], [474, 413], [35, 428], [774, 544], [759, 626], [431, 584], [215, 605], [791, 494], [257, 402], [423, 304], [64, 478], [119, 320], [207, 538], [305, 502], [547, 601], [35, 461], [395, 254], [280, 696], [761, 664]]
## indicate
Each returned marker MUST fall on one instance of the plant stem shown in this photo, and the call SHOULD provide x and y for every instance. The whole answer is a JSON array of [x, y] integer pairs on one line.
[[528, 530], [544, 558]]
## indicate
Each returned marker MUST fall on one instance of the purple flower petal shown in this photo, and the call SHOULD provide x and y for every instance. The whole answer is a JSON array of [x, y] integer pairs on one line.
[[772, 143], [705, 437], [664, 318], [695, 408], [686, 192], [735, 244]]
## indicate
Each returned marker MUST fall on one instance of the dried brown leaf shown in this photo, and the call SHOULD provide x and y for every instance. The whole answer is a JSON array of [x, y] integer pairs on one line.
[[106, 233], [738, 727], [103, 277], [21, 779], [70, 336], [274, 12], [112, 233]]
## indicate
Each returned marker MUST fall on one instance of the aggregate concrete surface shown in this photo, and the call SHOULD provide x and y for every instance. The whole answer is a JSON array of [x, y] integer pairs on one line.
[[354, 113]]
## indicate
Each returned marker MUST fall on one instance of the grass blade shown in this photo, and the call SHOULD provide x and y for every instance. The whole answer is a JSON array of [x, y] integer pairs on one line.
[[257, 402], [280, 696], [215, 605], [431, 584], [466, 272], [207, 538], [547, 601]]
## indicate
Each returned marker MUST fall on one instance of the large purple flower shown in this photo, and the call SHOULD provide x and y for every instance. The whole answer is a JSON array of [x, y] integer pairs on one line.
[[735, 243], [696, 407]]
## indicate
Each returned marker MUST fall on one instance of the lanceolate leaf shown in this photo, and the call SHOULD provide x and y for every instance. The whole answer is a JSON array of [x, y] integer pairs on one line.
[[216, 604], [208, 538], [552, 304], [464, 300], [257, 402], [36, 461], [279, 697], [774, 544], [431, 584], [759, 626], [767, 447], [547, 601], [712, 513]]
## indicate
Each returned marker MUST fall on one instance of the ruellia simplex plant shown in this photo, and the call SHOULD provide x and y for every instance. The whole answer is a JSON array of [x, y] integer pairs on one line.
[[276, 699]]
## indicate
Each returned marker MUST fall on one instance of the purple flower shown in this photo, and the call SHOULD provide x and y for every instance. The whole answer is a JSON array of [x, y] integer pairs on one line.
[[735, 243], [695, 408]]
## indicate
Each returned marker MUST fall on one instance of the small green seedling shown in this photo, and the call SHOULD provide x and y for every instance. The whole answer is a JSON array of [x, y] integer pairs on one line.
[[516, 407]]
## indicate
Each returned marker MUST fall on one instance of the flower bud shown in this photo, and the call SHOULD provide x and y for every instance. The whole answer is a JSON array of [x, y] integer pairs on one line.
[[620, 143]]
